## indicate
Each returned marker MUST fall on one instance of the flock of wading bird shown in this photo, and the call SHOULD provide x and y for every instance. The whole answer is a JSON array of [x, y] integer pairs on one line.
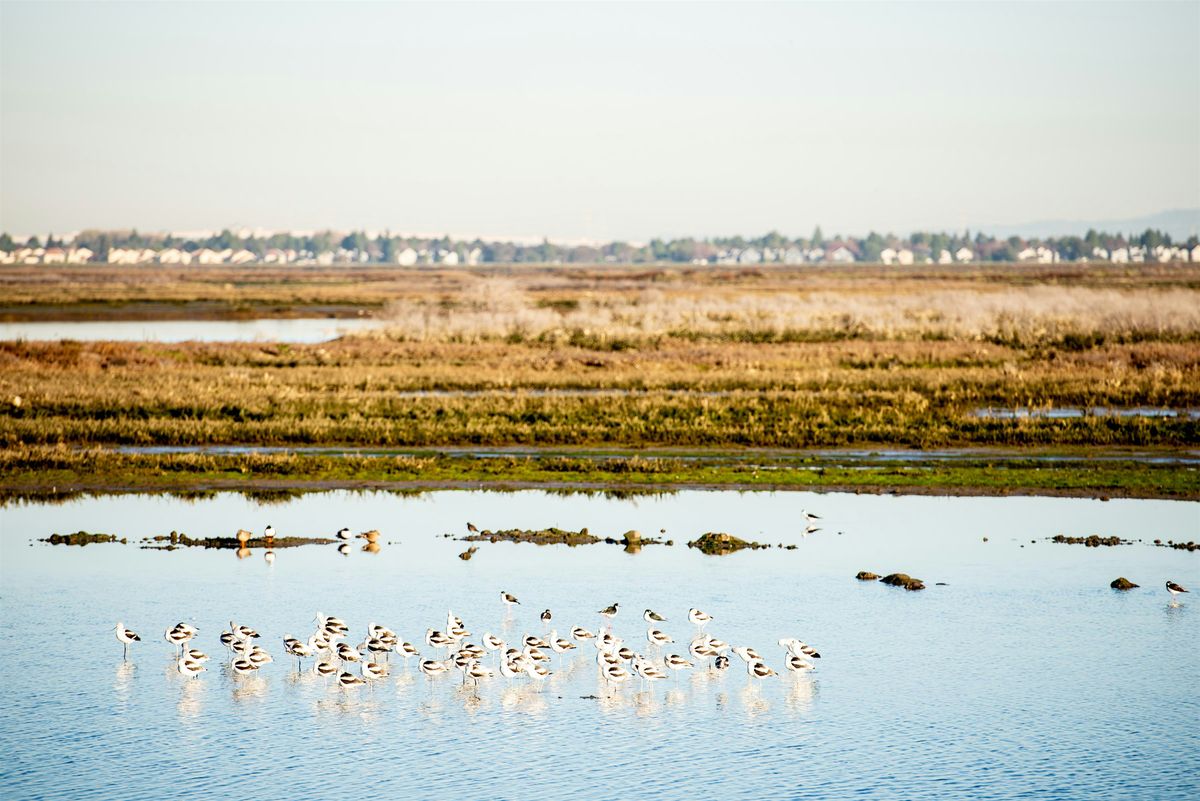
[[527, 658]]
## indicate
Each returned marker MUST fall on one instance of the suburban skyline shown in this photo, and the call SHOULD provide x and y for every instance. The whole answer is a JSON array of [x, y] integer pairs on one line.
[[593, 122]]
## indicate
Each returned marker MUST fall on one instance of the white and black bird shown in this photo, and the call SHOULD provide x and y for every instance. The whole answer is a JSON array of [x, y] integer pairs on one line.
[[1172, 587], [650, 616], [189, 667], [759, 670], [609, 612], [126, 636], [657, 638], [546, 616], [508, 598], [698, 618], [343, 534]]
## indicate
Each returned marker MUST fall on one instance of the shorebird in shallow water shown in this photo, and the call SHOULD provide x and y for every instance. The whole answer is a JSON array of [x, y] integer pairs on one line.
[[798, 648], [759, 670], [343, 534], [657, 638], [347, 679], [126, 636], [580, 634], [650, 616], [797, 664], [188, 667], [699, 619], [244, 667], [1175, 589], [509, 599], [677, 662]]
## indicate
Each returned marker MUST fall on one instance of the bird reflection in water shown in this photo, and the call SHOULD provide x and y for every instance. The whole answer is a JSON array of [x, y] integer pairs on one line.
[[242, 553], [800, 692], [249, 688], [645, 704], [190, 694], [753, 702], [122, 679], [371, 547]]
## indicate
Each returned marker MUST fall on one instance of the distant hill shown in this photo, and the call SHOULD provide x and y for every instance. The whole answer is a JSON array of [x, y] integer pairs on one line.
[[1179, 223]]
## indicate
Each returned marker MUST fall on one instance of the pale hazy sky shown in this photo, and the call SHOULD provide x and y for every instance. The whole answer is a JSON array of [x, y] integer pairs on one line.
[[594, 121]]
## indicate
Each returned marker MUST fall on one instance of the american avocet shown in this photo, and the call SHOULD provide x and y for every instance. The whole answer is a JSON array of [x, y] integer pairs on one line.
[[325, 668], [721, 663], [747, 654], [546, 616], [177, 638], [434, 667], [536, 654], [650, 616], [476, 671], [259, 657], [509, 599], [797, 664], [126, 636], [533, 641], [579, 633], [330, 623], [1172, 587], [615, 674], [536, 670], [625, 653], [559, 645], [677, 662], [188, 667], [374, 670], [437, 639], [492, 642], [227, 639], [243, 632], [472, 650], [195, 655], [346, 653], [657, 638], [509, 669], [759, 670], [407, 649], [698, 618], [348, 679], [798, 648], [243, 667], [374, 646]]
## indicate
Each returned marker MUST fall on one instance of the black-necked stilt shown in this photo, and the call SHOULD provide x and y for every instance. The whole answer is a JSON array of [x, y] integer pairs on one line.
[[509, 599], [1173, 588], [650, 616]]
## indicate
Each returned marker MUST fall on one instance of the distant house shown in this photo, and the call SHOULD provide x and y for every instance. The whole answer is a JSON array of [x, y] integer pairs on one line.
[[1027, 254], [887, 255], [1137, 253], [448, 257], [325, 258], [1046, 255], [964, 254], [79, 255], [1119, 255], [793, 255], [749, 256], [1100, 253], [147, 256], [243, 257], [840, 254], [904, 256], [123, 255], [7, 257], [474, 256], [406, 257], [275, 256], [54, 256], [815, 254], [944, 257], [208, 256], [1194, 254]]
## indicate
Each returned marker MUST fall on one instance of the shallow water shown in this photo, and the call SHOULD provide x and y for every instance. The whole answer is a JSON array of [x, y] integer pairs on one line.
[[1025, 677], [300, 330]]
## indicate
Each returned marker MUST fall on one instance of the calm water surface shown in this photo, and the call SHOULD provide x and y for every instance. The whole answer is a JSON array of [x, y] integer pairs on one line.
[[1024, 677], [301, 330]]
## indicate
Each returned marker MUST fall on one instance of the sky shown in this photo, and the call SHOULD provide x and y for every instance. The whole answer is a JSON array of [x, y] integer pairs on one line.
[[595, 121]]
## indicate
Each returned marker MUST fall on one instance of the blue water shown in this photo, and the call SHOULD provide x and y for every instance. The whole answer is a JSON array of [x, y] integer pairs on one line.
[[1024, 677], [300, 330]]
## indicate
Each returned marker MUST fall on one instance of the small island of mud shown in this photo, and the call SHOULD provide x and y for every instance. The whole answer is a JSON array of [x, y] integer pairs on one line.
[[1093, 541], [176, 539], [716, 543], [82, 538]]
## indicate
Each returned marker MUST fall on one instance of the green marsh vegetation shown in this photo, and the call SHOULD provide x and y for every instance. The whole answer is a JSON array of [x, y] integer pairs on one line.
[[709, 361]]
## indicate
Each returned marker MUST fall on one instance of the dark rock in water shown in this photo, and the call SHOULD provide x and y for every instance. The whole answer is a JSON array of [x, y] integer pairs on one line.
[[1122, 583], [81, 538], [717, 543], [1179, 546], [467, 554], [866, 575], [546, 536], [941, 584], [903, 580], [985, 539], [1093, 541]]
